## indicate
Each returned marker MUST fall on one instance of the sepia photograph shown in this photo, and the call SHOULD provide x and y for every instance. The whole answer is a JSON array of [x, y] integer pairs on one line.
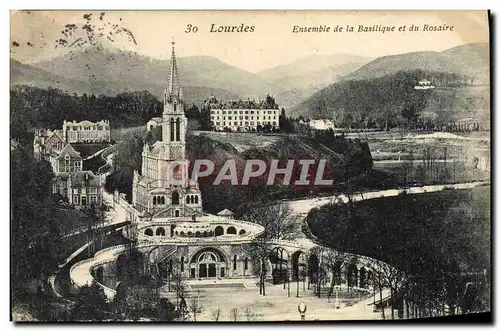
[[185, 166]]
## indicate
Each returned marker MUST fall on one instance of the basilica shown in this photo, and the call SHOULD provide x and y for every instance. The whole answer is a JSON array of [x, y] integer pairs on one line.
[[163, 188], [168, 206]]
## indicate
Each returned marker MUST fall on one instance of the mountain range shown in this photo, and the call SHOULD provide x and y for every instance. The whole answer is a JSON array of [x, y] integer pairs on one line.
[[469, 59], [463, 92], [104, 69]]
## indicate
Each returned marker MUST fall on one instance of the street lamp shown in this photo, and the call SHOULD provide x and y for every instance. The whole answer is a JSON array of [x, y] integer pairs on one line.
[[302, 310]]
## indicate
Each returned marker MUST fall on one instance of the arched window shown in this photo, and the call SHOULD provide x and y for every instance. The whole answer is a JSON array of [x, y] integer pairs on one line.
[[162, 200], [190, 234], [242, 232], [231, 230], [160, 232], [177, 172], [175, 107], [182, 233], [187, 199], [175, 198], [197, 234], [148, 232], [235, 258], [196, 199], [178, 129], [246, 263], [151, 127], [182, 264], [172, 130], [154, 200], [176, 213], [205, 233], [219, 231]]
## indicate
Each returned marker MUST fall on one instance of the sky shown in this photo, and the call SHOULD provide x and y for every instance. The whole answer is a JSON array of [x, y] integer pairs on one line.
[[272, 41]]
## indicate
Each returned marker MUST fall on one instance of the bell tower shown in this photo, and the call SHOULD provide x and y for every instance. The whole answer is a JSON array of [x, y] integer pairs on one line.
[[174, 120]]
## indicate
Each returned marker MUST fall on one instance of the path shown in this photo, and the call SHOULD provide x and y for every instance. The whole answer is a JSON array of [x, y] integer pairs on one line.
[[302, 207]]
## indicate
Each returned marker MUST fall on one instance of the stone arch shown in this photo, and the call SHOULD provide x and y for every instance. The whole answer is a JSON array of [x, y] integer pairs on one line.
[[231, 230], [242, 232], [219, 231], [209, 262], [352, 275], [279, 259], [148, 232], [160, 231], [362, 277], [313, 268], [175, 198], [299, 265], [99, 274]]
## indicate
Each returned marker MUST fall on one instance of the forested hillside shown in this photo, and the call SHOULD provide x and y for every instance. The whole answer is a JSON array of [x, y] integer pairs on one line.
[[392, 100]]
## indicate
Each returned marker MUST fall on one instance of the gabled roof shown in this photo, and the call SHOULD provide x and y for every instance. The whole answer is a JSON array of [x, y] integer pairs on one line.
[[157, 119], [69, 150], [225, 212], [85, 177]]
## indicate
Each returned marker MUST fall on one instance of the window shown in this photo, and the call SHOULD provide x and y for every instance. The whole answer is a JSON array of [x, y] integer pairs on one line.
[[182, 264], [93, 200], [172, 129], [93, 190], [76, 200], [66, 169], [177, 213], [178, 129], [234, 262], [84, 200], [246, 263]]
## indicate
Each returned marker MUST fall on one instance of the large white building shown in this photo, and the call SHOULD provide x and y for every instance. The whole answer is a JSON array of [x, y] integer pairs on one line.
[[322, 124], [242, 115], [86, 131]]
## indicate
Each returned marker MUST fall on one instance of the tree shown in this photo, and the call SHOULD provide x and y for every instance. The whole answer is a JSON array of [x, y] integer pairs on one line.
[[280, 223], [260, 249], [215, 313], [141, 301], [234, 314], [195, 307], [278, 220], [91, 304]]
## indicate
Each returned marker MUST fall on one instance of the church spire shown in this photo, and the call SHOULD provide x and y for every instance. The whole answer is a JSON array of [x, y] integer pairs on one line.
[[173, 88]]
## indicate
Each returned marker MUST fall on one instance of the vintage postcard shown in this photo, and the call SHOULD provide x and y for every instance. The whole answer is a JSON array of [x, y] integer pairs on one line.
[[250, 166]]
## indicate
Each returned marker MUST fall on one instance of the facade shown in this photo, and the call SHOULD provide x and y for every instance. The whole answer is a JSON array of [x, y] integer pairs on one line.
[[66, 161], [153, 123], [86, 131], [242, 115], [82, 188], [323, 124], [424, 84], [47, 143]]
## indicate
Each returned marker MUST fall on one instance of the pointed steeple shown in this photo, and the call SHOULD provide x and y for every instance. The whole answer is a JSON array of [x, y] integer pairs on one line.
[[173, 89]]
